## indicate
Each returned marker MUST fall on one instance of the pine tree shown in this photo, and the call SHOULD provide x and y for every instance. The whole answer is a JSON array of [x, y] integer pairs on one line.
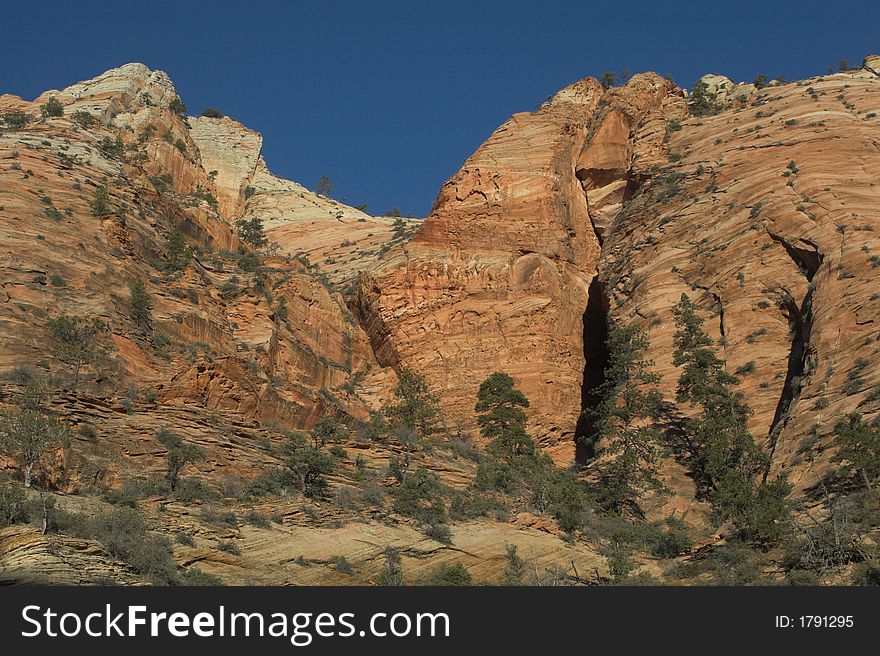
[[719, 437], [702, 101], [324, 186], [724, 457], [75, 341], [517, 464], [624, 420], [177, 251], [503, 421], [859, 448], [251, 231], [416, 408], [140, 304], [100, 202]]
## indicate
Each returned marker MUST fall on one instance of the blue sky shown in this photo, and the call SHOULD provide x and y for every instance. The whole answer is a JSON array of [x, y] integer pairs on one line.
[[388, 98]]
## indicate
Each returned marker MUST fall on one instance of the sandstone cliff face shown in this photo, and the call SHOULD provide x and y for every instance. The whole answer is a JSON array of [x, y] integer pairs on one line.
[[498, 277], [217, 338]]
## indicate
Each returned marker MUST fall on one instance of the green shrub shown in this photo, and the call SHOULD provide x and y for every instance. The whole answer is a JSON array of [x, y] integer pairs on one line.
[[254, 518], [341, 564], [671, 539], [608, 79], [747, 368], [16, 120], [177, 107], [702, 102], [114, 148], [734, 563], [306, 466], [420, 496], [194, 489], [248, 262], [196, 577], [273, 482], [619, 556], [859, 448], [392, 572], [439, 532], [515, 570], [228, 546], [52, 107], [473, 503], [210, 112], [251, 231], [177, 252], [133, 490], [83, 119], [220, 518], [867, 573], [162, 183], [13, 504], [448, 575], [123, 533]]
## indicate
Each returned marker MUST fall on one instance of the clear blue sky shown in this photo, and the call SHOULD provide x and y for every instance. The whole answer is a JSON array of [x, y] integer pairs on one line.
[[388, 98]]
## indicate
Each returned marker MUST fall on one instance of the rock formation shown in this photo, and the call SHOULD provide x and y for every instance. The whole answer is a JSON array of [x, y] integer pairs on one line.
[[601, 207], [498, 277]]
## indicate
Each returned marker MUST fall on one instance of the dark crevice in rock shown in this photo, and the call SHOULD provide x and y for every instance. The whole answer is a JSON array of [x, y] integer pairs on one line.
[[800, 325], [807, 259], [595, 361], [800, 321]]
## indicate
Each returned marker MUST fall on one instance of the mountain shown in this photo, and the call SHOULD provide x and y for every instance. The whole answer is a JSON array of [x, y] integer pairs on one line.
[[275, 312]]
